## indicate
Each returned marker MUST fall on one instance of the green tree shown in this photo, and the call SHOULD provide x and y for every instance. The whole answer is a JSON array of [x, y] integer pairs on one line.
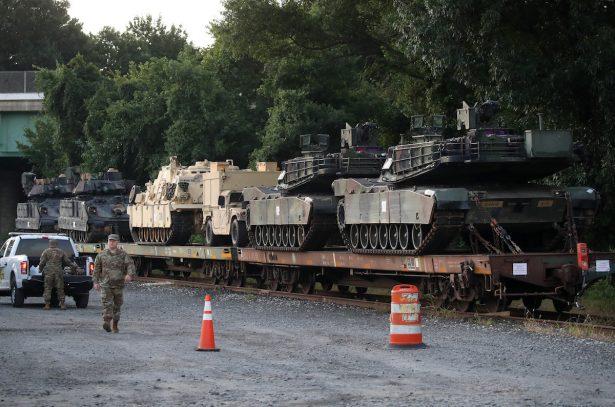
[[42, 150], [38, 33], [143, 39]]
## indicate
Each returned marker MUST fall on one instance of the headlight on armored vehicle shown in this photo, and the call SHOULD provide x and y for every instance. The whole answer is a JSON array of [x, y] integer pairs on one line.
[[92, 210], [44, 211]]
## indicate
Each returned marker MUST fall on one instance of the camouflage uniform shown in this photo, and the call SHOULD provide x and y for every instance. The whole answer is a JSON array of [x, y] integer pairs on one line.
[[52, 265], [110, 268]]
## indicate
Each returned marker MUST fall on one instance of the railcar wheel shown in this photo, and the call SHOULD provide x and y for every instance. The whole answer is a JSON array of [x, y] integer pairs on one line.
[[404, 236], [383, 236], [273, 284], [291, 287], [343, 288], [417, 236], [492, 304], [562, 306], [461, 306], [373, 236], [393, 236], [307, 281], [326, 285], [354, 236], [300, 235], [364, 236], [360, 290], [292, 236], [532, 303]]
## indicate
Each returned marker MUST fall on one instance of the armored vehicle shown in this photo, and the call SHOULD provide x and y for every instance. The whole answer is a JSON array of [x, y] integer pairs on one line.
[[299, 214], [169, 211], [40, 213], [434, 191], [224, 214], [97, 209]]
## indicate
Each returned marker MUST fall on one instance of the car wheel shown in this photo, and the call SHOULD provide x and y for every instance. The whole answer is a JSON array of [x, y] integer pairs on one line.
[[17, 295], [81, 300], [239, 233]]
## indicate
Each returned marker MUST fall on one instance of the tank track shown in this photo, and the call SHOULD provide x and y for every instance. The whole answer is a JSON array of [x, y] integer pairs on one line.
[[181, 230], [445, 227], [319, 231]]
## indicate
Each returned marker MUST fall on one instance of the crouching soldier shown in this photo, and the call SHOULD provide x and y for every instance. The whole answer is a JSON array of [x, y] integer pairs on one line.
[[53, 260], [112, 268]]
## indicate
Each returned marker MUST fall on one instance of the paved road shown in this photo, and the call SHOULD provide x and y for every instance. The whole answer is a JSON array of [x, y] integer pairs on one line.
[[284, 352]]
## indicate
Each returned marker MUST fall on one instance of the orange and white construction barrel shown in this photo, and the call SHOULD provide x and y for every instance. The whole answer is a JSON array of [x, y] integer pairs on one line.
[[405, 329]]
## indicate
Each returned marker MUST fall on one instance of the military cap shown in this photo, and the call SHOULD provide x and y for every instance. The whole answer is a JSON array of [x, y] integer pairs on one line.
[[53, 243], [114, 236]]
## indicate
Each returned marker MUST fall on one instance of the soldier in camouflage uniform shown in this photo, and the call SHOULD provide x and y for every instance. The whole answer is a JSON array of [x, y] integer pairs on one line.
[[112, 268], [52, 265]]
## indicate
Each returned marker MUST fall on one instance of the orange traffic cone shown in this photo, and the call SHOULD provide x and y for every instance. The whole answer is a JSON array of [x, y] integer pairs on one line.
[[207, 342]]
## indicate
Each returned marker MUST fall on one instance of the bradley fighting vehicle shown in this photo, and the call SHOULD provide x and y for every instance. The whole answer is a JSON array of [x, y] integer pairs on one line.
[[40, 213], [97, 209], [299, 214], [475, 187], [205, 197]]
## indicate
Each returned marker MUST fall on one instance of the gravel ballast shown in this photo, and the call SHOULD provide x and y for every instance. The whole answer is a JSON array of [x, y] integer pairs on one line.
[[276, 351]]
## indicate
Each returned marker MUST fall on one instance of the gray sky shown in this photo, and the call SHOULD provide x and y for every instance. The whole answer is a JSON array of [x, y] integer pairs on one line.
[[193, 15]]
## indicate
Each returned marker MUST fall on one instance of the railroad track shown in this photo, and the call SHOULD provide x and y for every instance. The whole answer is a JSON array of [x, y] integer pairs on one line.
[[382, 303]]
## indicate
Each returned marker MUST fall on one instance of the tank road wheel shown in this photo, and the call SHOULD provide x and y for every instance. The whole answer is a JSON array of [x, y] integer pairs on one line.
[[300, 235], [532, 303], [239, 233], [364, 236], [271, 235], [383, 236], [373, 236], [292, 236], [258, 235], [354, 236], [562, 306], [417, 236], [265, 234], [278, 235], [284, 235], [393, 236], [404, 236]]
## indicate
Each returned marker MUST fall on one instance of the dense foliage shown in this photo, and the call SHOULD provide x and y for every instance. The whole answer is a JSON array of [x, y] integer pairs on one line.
[[281, 68]]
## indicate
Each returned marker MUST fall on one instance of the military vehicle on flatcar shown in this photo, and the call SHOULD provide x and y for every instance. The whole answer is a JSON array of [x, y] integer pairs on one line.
[[41, 211], [97, 209], [169, 211], [299, 214], [480, 185]]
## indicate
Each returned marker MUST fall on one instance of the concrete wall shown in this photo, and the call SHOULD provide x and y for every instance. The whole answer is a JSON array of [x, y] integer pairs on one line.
[[10, 193]]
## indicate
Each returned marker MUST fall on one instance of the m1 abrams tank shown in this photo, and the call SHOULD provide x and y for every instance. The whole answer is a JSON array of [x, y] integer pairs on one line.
[[434, 191], [300, 213], [169, 211], [97, 209], [40, 213]]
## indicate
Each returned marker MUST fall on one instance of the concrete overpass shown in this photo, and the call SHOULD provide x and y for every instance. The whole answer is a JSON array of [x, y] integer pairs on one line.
[[20, 104]]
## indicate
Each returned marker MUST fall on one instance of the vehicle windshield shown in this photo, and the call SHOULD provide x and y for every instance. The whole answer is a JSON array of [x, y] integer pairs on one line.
[[35, 247]]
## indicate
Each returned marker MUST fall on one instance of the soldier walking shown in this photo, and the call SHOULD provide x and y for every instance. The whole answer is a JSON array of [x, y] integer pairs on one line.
[[51, 266], [112, 268]]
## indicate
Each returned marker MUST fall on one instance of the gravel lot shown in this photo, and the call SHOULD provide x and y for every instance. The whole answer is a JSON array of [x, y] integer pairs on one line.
[[284, 352]]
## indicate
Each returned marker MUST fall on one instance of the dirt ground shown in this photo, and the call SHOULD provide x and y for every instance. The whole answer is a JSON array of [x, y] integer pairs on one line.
[[284, 352]]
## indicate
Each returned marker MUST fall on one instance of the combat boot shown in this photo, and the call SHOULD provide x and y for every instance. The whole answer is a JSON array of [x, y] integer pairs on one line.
[[47, 307], [62, 305], [106, 325], [115, 328]]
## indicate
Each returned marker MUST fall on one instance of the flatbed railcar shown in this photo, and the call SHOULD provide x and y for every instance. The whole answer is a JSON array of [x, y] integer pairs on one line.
[[488, 281]]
